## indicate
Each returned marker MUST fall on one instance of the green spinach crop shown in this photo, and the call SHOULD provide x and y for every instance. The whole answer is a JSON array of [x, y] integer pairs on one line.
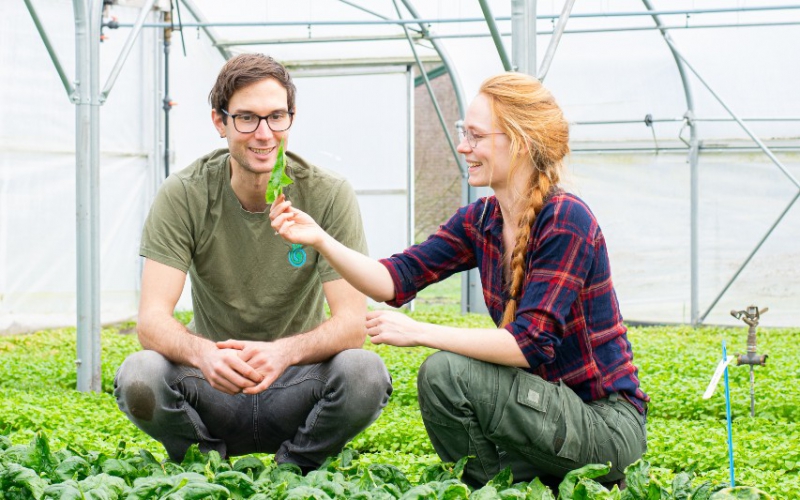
[[34, 472]]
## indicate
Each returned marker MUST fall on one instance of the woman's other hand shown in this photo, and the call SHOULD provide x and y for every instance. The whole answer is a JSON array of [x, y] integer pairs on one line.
[[393, 328]]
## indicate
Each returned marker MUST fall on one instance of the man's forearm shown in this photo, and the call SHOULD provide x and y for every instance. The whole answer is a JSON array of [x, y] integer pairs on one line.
[[167, 336], [331, 337]]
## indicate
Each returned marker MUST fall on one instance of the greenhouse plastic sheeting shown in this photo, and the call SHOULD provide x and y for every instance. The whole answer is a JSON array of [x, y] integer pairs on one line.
[[641, 198]]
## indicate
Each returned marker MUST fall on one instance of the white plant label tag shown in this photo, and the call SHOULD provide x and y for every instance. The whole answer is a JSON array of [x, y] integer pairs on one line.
[[717, 375]]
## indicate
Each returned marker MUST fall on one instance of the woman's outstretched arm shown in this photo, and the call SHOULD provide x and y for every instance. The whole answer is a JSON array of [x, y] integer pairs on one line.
[[368, 276], [494, 345]]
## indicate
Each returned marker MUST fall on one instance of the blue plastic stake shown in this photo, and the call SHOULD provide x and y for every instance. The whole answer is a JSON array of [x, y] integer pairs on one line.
[[728, 414]]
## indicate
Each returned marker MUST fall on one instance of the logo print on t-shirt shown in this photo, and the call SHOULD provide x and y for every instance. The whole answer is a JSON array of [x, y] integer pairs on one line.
[[297, 255]]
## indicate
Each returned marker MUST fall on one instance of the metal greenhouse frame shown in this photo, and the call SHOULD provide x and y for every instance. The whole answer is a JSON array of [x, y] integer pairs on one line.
[[86, 93]]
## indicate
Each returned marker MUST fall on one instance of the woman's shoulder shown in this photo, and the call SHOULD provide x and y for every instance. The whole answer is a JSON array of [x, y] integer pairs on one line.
[[566, 211]]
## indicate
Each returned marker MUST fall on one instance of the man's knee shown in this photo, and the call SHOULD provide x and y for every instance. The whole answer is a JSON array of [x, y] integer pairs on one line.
[[140, 377], [364, 377]]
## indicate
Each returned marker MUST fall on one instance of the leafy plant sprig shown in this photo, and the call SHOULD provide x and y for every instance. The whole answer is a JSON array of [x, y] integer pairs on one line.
[[278, 178]]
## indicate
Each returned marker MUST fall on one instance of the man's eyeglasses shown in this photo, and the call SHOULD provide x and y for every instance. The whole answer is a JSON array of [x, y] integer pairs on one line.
[[247, 123], [473, 138]]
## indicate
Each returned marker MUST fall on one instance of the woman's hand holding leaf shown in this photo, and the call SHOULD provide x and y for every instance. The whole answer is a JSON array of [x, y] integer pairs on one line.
[[295, 226]]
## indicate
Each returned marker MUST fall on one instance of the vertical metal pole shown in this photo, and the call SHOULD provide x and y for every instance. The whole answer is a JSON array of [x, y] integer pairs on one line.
[[157, 173], [410, 185], [87, 153], [694, 150], [752, 391], [523, 36], [694, 194], [94, 192], [167, 103], [410, 153]]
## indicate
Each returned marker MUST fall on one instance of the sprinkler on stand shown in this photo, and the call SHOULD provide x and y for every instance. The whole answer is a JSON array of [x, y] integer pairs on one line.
[[751, 316]]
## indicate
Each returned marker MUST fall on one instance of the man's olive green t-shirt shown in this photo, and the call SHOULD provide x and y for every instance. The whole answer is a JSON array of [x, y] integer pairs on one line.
[[247, 282]]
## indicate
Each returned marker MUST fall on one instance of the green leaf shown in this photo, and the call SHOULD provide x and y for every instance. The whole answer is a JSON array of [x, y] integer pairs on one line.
[[272, 490], [68, 490], [285, 472], [485, 493], [149, 461], [240, 485], [74, 467], [19, 478], [278, 178], [570, 482], [458, 468], [444, 471], [199, 491], [387, 490], [368, 481], [503, 480], [193, 456], [344, 462], [303, 492], [421, 492], [637, 479], [120, 468], [587, 489], [250, 465], [741, 493], [682, 486], [39, 457], [103, 486], [391, 474], [511, 494], [453, 489], [702, 491], [5, 443], [151, 487], [215, 464]]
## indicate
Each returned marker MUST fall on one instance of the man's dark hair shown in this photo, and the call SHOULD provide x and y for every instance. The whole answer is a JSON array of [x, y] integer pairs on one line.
[[246, 69]]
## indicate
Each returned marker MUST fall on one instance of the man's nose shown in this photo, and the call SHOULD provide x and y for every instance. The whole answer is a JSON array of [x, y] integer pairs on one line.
[[263, 131]]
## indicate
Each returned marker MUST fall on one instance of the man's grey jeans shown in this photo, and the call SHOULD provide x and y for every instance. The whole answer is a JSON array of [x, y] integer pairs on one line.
[[307, 415], [505, 416]]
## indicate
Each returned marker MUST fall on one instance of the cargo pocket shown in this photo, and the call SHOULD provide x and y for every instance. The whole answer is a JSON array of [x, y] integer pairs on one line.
[[573, 441], [532, 419]]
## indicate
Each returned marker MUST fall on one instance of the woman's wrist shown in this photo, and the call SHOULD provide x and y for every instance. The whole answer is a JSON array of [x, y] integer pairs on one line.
[[325, 244], [424, 334]]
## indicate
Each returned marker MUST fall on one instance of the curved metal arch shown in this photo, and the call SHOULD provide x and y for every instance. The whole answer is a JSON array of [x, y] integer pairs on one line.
[[694, 150], [470, 284]]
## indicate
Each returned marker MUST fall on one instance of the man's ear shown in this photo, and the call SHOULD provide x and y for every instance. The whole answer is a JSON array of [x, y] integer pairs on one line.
[[216, 118]]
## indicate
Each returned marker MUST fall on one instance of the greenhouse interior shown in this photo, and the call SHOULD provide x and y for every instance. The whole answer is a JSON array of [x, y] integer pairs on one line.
[[684, 123]]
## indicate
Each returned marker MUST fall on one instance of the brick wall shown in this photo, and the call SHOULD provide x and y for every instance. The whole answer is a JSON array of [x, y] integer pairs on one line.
[[437, 180]]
